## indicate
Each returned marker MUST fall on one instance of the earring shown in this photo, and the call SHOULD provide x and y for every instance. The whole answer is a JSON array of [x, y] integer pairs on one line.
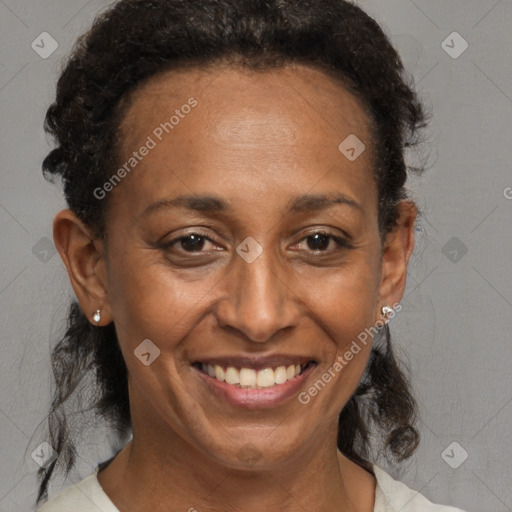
[[386, 310], [97, 316]]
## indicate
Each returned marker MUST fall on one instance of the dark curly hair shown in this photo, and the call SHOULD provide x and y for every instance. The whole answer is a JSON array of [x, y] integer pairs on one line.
[[132, 41]]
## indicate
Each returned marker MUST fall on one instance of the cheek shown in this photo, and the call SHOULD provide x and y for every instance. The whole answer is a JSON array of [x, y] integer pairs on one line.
[[348, 320], [346, 299], [151, 300], [346, 304]]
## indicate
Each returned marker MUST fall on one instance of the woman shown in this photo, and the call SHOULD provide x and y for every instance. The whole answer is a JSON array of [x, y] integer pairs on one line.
[[237, 237]]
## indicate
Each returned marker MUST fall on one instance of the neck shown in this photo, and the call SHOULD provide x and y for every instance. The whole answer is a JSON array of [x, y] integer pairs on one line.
[[145, 477], [160, 470]]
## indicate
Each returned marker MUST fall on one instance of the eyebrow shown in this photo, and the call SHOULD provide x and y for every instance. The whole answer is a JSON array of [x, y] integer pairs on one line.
[[213, 204]]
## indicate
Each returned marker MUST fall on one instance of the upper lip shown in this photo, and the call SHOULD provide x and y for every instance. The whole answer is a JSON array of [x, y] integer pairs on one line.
[[256, 362]]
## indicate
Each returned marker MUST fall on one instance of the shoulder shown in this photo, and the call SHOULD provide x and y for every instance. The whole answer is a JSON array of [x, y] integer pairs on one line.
[[393, 496], [86, 496]]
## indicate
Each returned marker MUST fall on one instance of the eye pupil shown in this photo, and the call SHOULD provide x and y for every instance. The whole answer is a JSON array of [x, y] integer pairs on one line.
[[321, 241], [197, 242]]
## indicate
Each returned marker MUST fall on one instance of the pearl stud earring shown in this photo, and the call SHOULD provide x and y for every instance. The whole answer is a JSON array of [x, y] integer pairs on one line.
[[386, 310], [97, 316]]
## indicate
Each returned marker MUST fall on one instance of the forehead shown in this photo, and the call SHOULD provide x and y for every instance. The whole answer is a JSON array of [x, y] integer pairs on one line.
[[295, 93], [277, 128]]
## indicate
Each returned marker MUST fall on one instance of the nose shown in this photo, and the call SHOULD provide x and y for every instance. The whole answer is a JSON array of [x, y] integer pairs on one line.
[[261, 299]]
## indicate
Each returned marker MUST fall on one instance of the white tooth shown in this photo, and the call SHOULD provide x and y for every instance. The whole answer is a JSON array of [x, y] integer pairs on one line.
[[265, 378], [232, 376], [280, 375], [247, 377], [250, 378], [219, 372]]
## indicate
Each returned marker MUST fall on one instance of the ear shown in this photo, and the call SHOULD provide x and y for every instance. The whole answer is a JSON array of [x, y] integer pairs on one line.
[[85, 262], [398, 247]]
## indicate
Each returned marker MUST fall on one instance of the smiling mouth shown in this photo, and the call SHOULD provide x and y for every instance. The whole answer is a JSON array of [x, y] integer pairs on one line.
[[251, 378]]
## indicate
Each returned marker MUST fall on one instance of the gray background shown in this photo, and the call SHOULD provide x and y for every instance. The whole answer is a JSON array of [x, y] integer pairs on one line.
[[455, 326]]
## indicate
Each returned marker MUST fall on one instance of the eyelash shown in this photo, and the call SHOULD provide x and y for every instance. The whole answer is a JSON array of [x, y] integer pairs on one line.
[[340, 242]]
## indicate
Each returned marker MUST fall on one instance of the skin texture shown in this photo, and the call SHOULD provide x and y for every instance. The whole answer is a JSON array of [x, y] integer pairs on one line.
[[257, 140]]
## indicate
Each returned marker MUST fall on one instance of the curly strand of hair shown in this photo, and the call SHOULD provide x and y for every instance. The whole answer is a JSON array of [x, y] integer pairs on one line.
[[395, 409], [84, 348], [382, 405]]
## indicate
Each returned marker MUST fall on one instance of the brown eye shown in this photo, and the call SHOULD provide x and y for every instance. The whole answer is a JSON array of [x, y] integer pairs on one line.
[[189, 243], [320, 240], [193, 242]]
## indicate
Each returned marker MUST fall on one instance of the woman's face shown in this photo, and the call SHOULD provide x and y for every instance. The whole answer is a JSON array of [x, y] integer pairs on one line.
[[214, 255]]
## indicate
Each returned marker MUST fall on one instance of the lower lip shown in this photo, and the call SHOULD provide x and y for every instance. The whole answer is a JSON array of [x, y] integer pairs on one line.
[[256, 398]]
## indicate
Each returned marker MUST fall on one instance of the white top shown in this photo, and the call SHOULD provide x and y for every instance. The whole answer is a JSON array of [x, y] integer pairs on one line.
[[390, 496]]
